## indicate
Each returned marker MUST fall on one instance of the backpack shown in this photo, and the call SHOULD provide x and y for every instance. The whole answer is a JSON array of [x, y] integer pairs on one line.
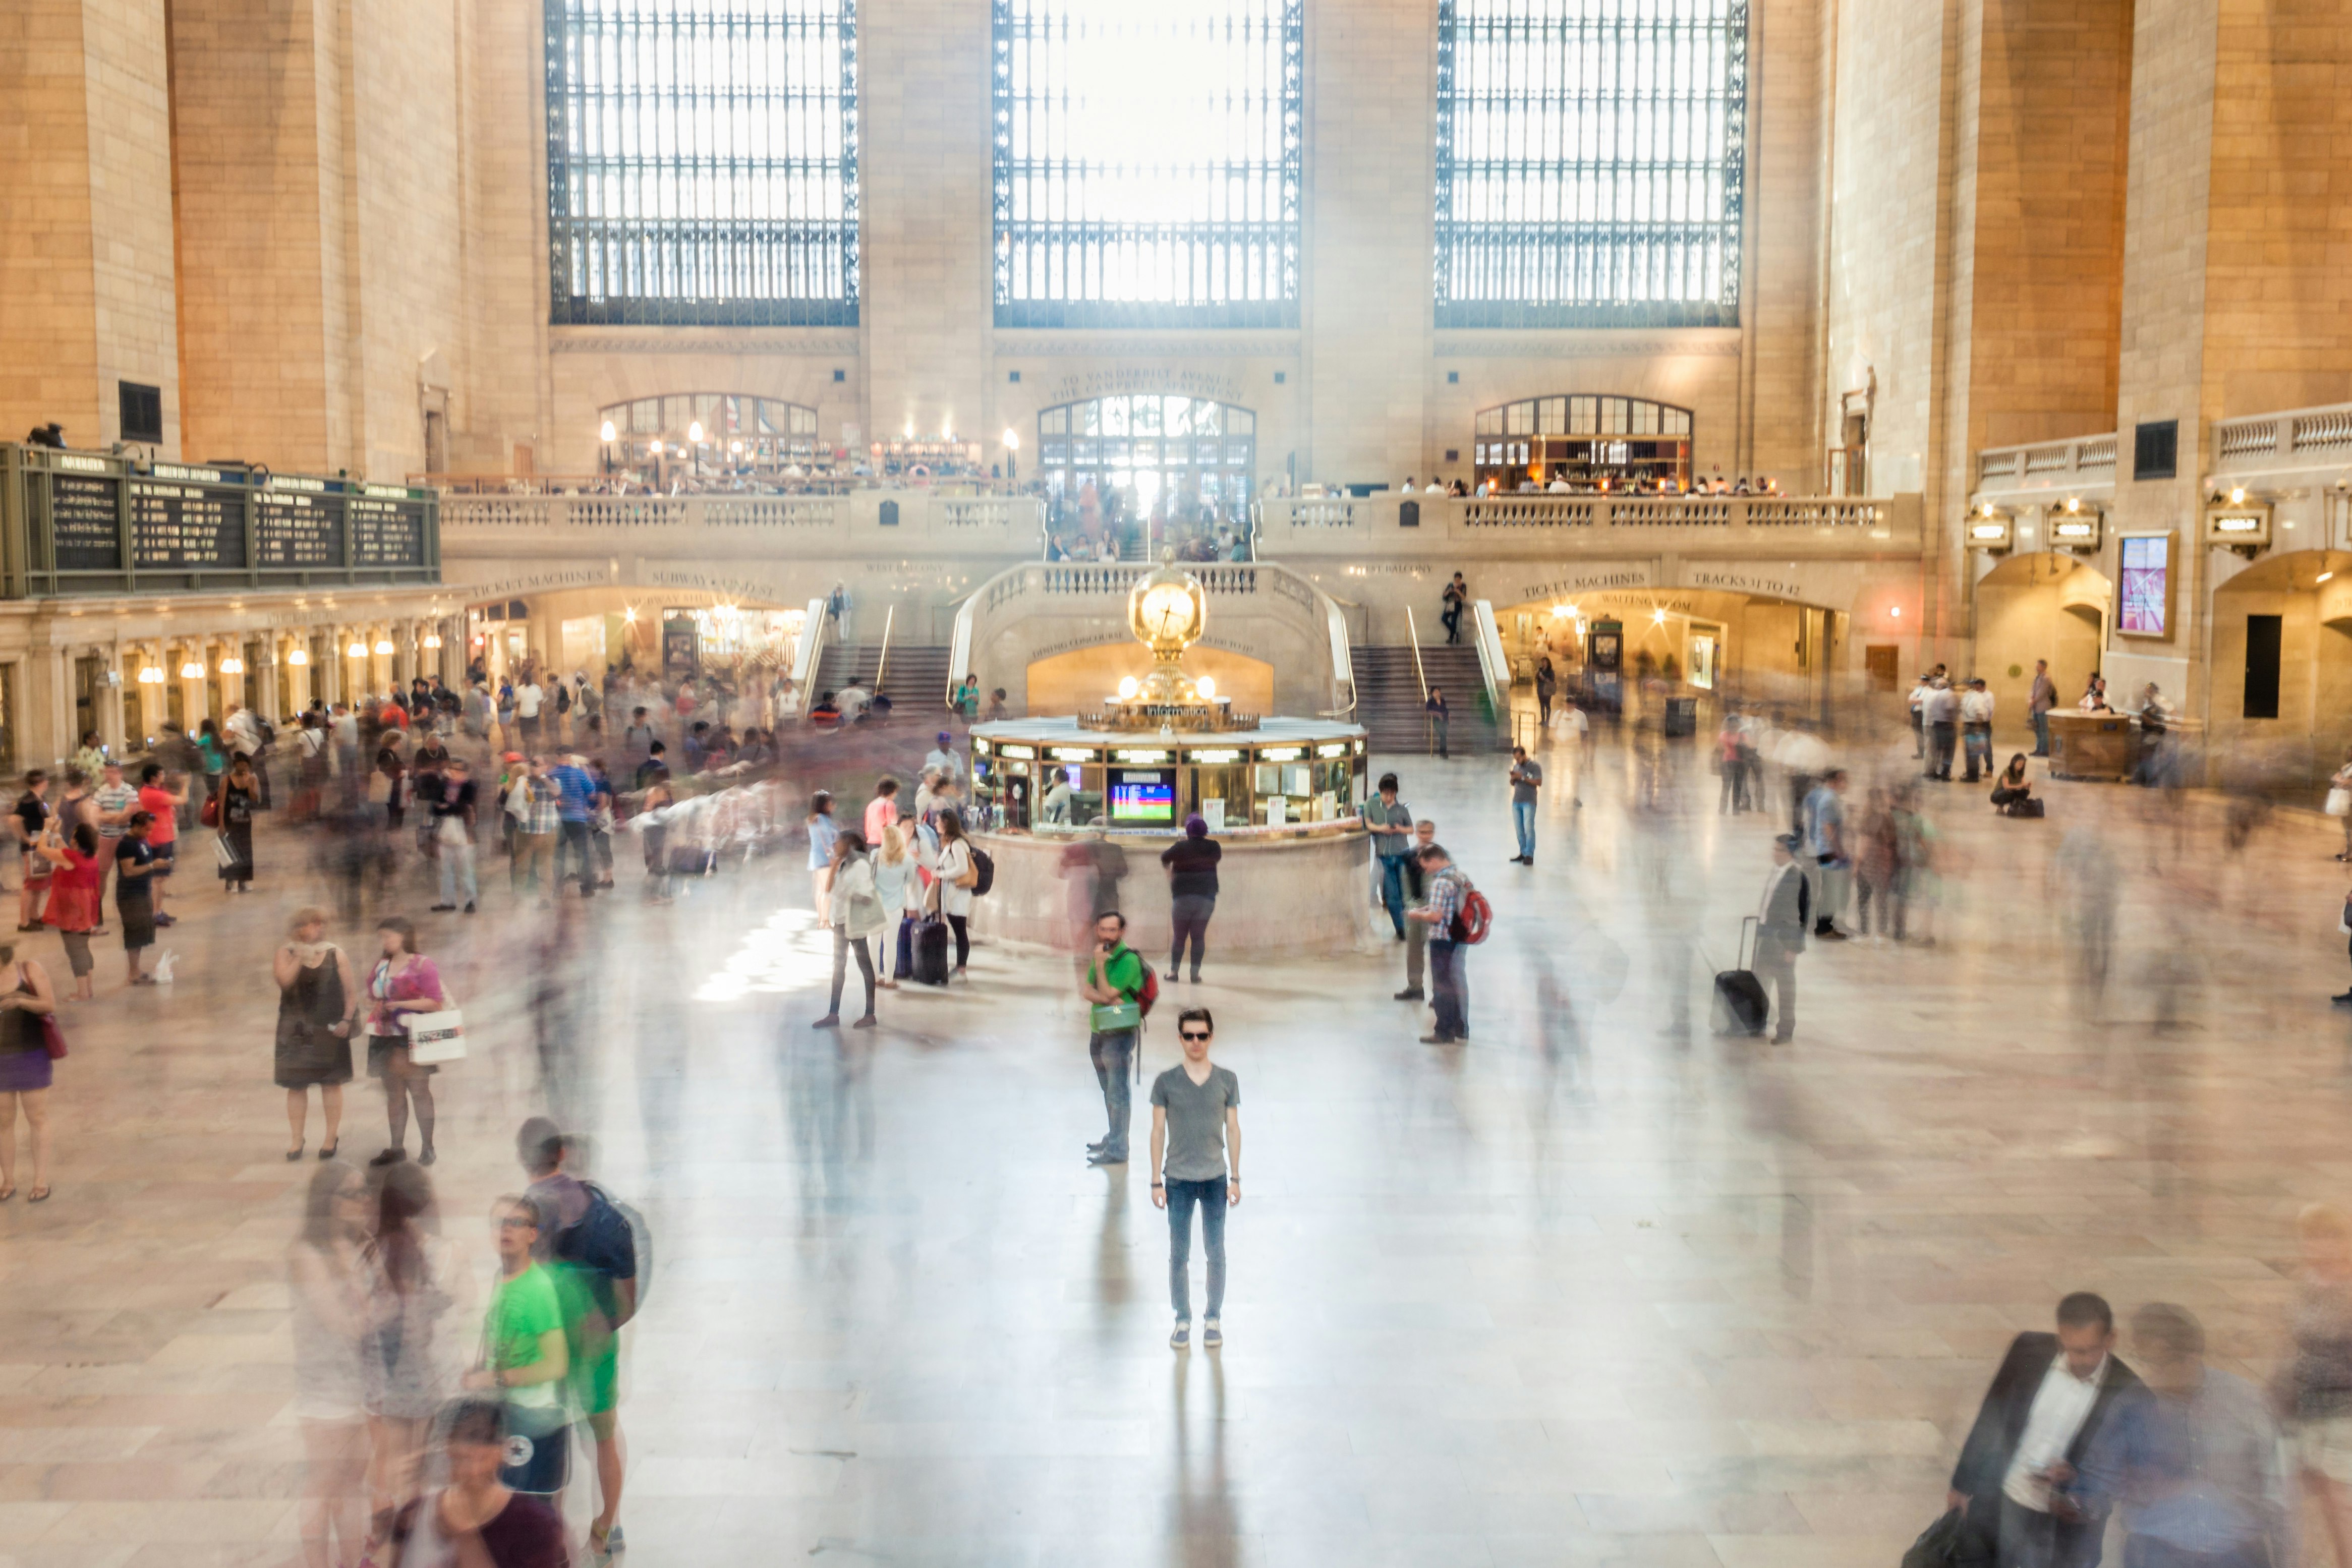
[[563, 699], [1150, 994], [984, 870], [1473, 920], [604, 1210], [268, 731]]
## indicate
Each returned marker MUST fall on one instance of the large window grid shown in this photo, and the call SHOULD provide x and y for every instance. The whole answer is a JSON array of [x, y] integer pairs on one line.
[[1591, 162], [1166, 456], [702, 162], [1148, 162]]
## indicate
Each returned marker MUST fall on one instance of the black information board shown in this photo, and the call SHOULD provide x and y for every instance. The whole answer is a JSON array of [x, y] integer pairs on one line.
[[188, 528], [299, 530], [386, 533], [84, 522]]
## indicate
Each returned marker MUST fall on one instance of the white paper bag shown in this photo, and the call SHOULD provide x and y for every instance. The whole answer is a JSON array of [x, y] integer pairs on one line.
[[435, 1037]]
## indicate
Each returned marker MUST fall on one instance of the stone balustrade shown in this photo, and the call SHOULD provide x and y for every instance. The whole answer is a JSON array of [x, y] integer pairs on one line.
[[1501, 526]]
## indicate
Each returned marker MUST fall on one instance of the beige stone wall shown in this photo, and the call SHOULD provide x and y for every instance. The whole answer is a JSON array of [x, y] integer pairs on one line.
[[85, 253]]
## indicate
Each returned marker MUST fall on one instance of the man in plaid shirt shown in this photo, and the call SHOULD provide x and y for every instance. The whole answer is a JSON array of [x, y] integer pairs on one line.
[[535, 831], [1449, 987]]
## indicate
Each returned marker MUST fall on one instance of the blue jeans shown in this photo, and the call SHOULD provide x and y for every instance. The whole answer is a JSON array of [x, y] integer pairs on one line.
[[575, 842], [1449, 988], [1976, 741], [2041, 734], [1523, 817], [1211, 1197], [457, 871], [1113, 1054], [1393, 890]]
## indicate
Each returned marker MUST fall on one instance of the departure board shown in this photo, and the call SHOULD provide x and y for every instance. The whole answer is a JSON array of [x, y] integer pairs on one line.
[[84, 524], [386, 533], [192, 528], [299, 530]]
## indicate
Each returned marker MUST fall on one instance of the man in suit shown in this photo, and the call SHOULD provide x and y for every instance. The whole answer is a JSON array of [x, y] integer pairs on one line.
[[1782, 919], [2021, 1476]]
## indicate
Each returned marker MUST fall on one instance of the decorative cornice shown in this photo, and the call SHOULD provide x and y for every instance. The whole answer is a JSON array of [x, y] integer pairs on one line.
[[690, 340]]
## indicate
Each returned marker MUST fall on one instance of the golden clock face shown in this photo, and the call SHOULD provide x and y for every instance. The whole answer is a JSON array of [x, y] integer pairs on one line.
[[1166, 614]]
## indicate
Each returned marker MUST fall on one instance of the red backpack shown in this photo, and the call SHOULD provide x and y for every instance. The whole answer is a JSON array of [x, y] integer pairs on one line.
[[1150, 991], [1474, 919]]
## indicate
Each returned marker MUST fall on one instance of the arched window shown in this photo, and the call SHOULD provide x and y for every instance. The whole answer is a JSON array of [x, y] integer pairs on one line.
[[1590, 159], [1583, 437], [1148, 162], [1167, 456], [702, 162], [755, 434]]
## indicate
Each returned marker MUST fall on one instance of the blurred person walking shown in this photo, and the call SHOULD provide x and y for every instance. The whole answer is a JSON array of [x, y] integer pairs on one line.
[[1114, 986], [1415, 883], [135, 863], [1826, 846], [1389, 822], [882, 810], [1526, 778], [1918, 704], [1446, 888], [533, 802], [1942, 711], [1439, 716], [403, 981], [576, 793], [858, 917], [1874, 867], [1783, 918], [2051, 1405], [26, 1070], [822, 832], [411, 1274], [652, 806], [115, 798], [162, 803], [2197, 1462], [327, 1292], [478, 1520], [2038, 703], [29, 821], [1191, 863], [898, 882], [1730, 748], [1915, 867], [2339, 802], [454, 817], [1196, 1163], [318, 1007], [2315, 1387], [525, 1355]]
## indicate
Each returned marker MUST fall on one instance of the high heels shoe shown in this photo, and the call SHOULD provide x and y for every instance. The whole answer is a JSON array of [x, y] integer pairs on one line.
[[294, 1154], [327, 1151]]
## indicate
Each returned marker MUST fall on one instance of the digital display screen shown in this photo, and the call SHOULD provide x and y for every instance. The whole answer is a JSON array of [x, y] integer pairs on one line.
[[1143, 795], [2146, 593]]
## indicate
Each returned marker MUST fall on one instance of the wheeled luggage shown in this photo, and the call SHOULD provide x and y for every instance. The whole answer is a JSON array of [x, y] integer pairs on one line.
[[932, 953], [1739, 1006]]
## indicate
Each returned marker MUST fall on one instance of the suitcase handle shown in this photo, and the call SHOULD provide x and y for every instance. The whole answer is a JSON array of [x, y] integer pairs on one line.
[[1747, 925]]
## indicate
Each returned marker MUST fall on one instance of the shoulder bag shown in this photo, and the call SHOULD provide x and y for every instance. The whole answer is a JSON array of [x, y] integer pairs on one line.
[[53, 1033]]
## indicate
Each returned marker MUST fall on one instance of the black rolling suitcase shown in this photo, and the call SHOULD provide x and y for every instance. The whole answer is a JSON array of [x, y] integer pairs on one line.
[[932, 953], [1739, 1007]]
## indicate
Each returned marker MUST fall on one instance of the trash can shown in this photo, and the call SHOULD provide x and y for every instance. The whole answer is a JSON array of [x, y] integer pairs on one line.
[[1681, 715]]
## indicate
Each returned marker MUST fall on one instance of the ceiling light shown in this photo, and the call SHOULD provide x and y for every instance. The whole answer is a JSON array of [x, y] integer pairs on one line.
[[297, 657], [192, 671], [694, 432], [606, 433], [232, 666], [358, 650], [433, 639], [383, 645], [2322, 577]]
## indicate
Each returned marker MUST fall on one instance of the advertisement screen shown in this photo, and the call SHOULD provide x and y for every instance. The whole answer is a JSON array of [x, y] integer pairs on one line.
[[2145, 592], [1143, 795]]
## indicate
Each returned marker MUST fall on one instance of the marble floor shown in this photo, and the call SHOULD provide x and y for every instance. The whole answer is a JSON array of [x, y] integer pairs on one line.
[[1597, 1286]]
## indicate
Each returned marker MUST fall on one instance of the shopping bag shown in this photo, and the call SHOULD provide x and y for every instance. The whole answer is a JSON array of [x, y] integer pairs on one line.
[[435, 1037]]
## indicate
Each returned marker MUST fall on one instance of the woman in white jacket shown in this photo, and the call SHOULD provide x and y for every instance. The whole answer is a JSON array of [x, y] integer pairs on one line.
[[898, 880], [857, 917]]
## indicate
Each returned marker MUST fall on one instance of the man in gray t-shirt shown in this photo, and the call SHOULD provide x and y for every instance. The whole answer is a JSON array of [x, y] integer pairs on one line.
[[1196, 1162], [1526, 777]]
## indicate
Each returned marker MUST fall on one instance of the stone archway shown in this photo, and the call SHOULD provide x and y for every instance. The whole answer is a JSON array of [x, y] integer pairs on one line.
[[1748, 646], [2280, 703], [2033, 606]]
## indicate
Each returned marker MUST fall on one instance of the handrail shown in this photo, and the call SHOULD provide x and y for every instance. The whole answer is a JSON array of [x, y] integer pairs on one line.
[[1493, 664], [883, 663], [1343, 663], [1413, 640], [960, 646], [805, 654]]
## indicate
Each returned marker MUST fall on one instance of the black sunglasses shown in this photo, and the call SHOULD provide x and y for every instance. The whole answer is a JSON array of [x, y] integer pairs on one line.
[[1188, 1034]]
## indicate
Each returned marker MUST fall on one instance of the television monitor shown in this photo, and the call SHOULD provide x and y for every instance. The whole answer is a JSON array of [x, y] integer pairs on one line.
[[1142, 796]]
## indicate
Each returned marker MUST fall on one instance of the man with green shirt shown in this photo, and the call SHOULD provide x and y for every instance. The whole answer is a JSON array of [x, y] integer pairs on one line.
[[1113, 982], [526, 1357]]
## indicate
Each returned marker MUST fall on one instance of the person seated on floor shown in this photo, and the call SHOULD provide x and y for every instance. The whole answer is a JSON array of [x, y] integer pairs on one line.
[[2012, 791]]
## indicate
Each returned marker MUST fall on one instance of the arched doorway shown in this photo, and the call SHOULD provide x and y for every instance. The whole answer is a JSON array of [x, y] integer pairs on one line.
[[713, 433], [1113, 464], [1584, 437], [2280, 704], [2034, 606], [1712, 643]]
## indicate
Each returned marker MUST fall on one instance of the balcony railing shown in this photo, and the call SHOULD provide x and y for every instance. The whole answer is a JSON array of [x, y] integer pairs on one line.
[[2086, 459], [2293, 438], [915, 521], [1394, 524]]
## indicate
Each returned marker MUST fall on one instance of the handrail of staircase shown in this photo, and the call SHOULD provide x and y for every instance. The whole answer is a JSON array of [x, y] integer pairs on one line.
[[1343, 663], [960, 647], [883, 663], [1412, 636], [805, 654], [1494, 665]]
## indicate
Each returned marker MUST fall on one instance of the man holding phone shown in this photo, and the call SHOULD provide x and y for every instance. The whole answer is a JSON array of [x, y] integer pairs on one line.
[[1112, 986]]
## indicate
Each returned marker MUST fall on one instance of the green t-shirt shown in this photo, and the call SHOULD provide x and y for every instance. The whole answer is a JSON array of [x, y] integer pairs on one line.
[[522, 1309], [1123, 972]]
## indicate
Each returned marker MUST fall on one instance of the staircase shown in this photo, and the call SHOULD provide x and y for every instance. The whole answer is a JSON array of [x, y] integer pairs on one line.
[[1388, 700], [916, 680]]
